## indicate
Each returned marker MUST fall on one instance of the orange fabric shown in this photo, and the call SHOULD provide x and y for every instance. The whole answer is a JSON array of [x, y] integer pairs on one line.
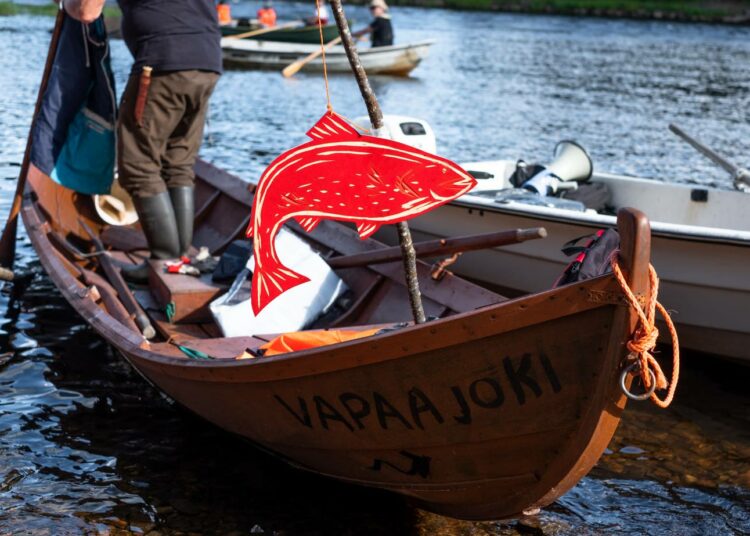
[[303, 340], [225, 13], [645, 336], [267, 16]]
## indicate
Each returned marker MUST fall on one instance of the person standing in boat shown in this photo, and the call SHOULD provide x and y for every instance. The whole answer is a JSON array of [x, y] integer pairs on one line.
[[267, 14], [380, 28], [177, 53]]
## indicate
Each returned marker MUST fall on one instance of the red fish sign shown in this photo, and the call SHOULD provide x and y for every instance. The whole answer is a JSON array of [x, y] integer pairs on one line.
[[342, 175]]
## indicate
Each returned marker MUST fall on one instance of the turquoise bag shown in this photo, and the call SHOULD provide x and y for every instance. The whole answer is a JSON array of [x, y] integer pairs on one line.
[[73, 139], [86, 162]]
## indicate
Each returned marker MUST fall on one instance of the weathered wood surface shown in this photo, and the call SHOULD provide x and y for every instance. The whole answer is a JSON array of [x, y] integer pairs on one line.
[[496, 407]]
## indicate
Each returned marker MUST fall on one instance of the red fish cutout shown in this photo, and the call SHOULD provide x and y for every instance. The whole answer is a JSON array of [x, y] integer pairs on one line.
[[342, 175]]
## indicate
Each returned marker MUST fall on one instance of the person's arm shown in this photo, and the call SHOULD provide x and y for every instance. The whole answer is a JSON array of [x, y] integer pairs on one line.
[[86, 11], [363, 31]]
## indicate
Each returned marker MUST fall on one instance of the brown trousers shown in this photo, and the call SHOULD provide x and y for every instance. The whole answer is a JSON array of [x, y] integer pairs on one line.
[[161, 151]]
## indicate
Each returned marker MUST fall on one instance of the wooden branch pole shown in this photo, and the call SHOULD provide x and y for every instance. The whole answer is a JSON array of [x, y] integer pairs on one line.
[[293, 68], [8, 239], [376, 120]]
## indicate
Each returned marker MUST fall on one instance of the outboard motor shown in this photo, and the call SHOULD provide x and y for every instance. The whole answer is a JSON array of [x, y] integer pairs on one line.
[[571, 165], [408, 130]]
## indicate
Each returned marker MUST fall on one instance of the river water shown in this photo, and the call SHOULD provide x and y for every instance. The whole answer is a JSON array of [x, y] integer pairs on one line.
[[87, 447]]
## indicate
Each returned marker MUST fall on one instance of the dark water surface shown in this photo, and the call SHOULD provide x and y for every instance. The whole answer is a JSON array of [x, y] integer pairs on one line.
[[87, 447]]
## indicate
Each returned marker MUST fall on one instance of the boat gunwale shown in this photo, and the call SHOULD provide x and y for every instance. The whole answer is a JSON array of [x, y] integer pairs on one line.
[[673, 231], [256, 45]]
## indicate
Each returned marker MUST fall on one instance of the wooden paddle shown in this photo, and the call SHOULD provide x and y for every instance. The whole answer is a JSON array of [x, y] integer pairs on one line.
[[260, 31], [114, 276], [441, 247], [8, 239], [292, 68]]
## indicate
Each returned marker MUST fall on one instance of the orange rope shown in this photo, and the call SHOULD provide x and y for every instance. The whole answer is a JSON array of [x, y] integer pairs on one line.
[[323, 56], [646, 334]]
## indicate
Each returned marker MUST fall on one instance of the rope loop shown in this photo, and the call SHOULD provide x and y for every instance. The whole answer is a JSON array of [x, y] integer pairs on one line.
[[644, 339]]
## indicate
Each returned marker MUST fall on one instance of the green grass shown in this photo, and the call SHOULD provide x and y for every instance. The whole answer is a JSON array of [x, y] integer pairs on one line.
[[12, 8], [701, 9]]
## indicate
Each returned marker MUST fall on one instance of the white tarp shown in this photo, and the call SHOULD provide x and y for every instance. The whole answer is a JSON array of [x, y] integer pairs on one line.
[[295, 308]]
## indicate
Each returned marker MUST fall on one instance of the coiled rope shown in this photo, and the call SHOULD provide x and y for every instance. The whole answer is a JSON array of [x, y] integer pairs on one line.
[[645, 337]]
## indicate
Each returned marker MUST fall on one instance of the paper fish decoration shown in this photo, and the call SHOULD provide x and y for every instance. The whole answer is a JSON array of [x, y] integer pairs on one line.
[[346, 176]]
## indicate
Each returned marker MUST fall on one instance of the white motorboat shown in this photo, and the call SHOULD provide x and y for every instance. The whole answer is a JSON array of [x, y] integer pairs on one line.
[[700, 244], [394, 60]]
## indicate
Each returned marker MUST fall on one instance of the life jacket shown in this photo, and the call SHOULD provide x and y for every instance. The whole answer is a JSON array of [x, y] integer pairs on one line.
[[303, 340], [225, 13], [267, 16]]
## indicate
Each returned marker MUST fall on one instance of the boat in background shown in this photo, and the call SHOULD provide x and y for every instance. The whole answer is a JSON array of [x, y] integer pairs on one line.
[[305, 33], [700, 240], [397, 60], [286, 32]]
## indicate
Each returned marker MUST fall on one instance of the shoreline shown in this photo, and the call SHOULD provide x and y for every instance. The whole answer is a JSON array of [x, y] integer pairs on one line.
[[736, 13], [732, 12], [729, 12]]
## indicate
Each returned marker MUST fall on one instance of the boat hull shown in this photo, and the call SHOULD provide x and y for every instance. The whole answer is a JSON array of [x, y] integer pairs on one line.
[[397, 60], [476, 431], [481, 414], [304, 34]]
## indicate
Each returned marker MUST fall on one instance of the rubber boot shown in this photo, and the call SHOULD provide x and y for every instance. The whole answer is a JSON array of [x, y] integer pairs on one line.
[[184, 212], [160, 227]]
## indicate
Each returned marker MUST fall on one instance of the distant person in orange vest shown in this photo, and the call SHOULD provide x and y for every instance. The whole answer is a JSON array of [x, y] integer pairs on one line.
[[267, 14], [224, 11]]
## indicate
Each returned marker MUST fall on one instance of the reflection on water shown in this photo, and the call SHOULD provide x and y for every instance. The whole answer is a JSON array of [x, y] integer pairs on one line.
[[87, 447]]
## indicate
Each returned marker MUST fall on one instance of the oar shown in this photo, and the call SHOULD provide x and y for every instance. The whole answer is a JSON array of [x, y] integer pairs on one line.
[[292, 68], [436, 248], [114, 276], [8, 239], [260, 31], [740, 175]]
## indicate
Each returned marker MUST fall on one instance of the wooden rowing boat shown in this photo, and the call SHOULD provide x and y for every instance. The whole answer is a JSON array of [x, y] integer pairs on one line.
[[303, 34], [495, 408], [397, 60]]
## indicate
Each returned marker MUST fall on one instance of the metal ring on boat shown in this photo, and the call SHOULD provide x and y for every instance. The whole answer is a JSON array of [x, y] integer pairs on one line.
[[644, 396]]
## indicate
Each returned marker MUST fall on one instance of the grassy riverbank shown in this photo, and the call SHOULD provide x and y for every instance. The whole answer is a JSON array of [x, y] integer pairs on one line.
[[732, 11]]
